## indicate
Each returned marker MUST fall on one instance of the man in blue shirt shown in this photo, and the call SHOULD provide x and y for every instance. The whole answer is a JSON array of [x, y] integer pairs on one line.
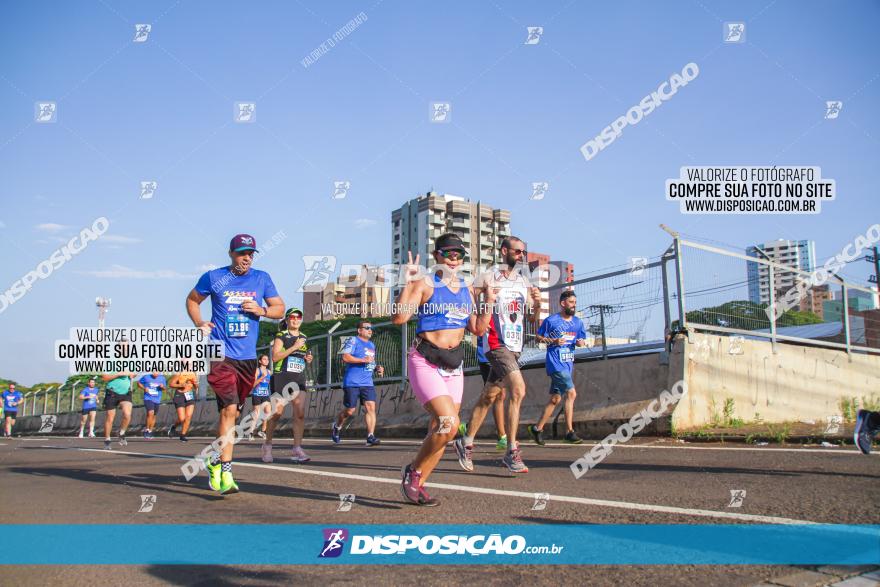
[[237, 294], [89, 397], [11, 399], [561, 333], [359, 356], [152, 384]]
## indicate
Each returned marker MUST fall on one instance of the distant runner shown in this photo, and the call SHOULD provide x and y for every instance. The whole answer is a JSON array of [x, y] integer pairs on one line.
[[117, 392], [11, 399], [89, 397], [184, 385], [561, 333], [237, 293], [359, 356], [291, 356], [152, 384], [260, 398]]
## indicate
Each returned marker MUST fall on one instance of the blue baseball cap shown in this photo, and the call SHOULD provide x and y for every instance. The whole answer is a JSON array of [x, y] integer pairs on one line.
[[243, 242]]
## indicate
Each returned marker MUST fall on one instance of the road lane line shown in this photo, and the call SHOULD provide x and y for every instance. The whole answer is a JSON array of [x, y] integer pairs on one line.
[[496, 492]]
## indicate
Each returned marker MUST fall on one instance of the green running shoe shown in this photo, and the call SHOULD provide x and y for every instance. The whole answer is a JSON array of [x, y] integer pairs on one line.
[[501, 445], [213, 474], [462, 429], [227, 483]]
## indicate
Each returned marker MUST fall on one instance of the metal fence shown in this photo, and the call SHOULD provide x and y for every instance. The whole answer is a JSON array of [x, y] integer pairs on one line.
[[690, 286], [729, 293]]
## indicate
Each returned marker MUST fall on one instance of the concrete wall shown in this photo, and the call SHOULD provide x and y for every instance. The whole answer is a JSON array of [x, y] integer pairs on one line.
[[609, 392], [795, 384]]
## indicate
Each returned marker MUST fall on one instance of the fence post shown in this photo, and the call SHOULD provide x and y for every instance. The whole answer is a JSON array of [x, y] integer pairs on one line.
[[45, 400], [772, 275], [329, 366], [664, 277], [403, 344], [57, 398], [846, 332], [72, 395], [679, 282]]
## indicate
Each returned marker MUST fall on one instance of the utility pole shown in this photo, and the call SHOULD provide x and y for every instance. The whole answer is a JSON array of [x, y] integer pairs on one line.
[[875, 258]]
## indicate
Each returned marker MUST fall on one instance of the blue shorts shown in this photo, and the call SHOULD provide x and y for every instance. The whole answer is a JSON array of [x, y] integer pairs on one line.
[[560, 382], [151, 406], [85, 411], [352, 394]]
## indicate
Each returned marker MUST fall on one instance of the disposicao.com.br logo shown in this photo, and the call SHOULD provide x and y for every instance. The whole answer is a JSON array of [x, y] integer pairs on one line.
[[430, 544]]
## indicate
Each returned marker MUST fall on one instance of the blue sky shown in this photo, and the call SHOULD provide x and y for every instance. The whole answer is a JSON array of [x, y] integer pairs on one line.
[[163, 110]]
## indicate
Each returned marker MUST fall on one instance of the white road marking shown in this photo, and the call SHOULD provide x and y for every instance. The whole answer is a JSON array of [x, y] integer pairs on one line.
[[844, 450], [496, 492]]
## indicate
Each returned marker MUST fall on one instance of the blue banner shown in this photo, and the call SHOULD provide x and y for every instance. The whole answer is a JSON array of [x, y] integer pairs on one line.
[[551, 544]]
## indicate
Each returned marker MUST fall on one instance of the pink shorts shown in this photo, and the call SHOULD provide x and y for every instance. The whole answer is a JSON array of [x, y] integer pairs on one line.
[[428, 382]]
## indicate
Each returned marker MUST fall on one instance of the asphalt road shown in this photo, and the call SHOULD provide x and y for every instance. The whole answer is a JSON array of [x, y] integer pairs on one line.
[[649, 481]]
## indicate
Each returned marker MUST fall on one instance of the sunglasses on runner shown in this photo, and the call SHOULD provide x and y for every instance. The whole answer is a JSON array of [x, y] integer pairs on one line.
[[453, 254], [518, 251], [367, 327]]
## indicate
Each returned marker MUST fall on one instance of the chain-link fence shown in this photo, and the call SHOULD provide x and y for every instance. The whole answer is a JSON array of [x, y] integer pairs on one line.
[[755, 296]]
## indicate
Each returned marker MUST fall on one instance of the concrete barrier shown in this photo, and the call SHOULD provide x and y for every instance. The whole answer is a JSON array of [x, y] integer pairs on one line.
[[797, 383], [609, 392]]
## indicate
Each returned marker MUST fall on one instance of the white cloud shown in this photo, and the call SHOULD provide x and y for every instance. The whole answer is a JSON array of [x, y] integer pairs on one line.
[[207, 267], [362, 223], [122, 272], [50, 227]]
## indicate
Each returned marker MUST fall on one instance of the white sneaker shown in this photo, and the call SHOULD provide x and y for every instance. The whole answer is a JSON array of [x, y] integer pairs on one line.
[[298, 455], [80, 433], [91, 434], [266, 453]]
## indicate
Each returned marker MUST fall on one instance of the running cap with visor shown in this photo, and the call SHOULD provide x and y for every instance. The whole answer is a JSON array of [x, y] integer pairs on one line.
[[450, 242], [242, 242]]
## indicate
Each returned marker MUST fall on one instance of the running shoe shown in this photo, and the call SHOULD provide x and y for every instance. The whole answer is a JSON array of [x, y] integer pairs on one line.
[[80, 434], [501, 445], [464, 454], [260, 434], [572, 437], [266, 453], [150, 435], [410, 485], [299, 455], [183, 438], [373, 441], [462, 429], [537, 435], [146, 433], [91, 434], [213, 473], [122, 440], [227, 483], [107, 445], [334, 434], [513, 461], [862, 433]]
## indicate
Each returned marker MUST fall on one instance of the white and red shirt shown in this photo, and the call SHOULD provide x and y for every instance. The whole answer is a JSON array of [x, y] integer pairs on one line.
[[507, 326]]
